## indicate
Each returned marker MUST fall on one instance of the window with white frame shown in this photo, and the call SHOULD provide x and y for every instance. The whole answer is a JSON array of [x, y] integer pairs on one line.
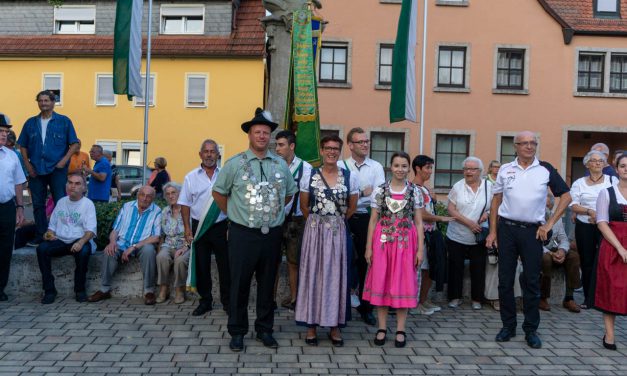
[[333, 63], [182, 19], [74, 19], [131, 153], [383, 145], [139, 100], [452, 66], [450, 152], [384, 76], [510, 68], [607, 8], [104, 90], [196, 93], [507, 153], [54, 83]]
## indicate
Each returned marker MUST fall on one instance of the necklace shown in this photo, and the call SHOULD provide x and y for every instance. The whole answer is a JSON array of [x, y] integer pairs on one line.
[[597, 179]]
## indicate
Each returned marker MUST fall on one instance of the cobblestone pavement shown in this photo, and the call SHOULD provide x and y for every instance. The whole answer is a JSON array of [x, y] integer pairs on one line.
[[126, 337]]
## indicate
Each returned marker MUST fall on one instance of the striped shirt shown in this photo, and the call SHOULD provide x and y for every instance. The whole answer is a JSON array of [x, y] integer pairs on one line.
[[133, 227]]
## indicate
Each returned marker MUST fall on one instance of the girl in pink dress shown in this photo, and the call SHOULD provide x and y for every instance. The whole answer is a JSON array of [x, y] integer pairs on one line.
[[395, 248]]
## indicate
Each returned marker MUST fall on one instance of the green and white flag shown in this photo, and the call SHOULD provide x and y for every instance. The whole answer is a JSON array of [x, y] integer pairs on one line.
[[403, 102], [127, 48], [208, 219]]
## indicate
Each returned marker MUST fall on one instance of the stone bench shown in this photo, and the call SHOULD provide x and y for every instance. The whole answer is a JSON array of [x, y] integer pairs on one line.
[[25, 278]]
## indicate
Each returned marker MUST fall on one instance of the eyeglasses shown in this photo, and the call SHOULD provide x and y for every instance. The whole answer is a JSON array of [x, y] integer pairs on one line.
[[330, 149], [597, 161], [533, 144], [361, 143], [471, 169]]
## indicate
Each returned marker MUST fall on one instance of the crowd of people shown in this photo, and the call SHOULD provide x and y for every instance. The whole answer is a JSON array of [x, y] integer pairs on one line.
[[351, 237]]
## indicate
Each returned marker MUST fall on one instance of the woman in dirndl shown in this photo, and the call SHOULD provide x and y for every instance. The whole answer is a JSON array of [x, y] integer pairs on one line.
[[394, 251], [610, 295], [328, 196]]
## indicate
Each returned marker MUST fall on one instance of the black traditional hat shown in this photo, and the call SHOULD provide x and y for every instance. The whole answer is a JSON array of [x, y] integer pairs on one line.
[[261, 117], [4, 121]]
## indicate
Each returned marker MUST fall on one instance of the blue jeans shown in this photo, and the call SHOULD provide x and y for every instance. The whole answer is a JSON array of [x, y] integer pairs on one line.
[[39, 190], [56, 248]]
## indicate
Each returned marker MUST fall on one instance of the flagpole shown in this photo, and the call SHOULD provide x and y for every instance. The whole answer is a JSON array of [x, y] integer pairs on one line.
[[147, 93], [422, 80]]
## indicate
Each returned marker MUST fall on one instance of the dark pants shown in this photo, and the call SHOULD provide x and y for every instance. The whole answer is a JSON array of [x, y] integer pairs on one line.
[[213, 240], [251, 252], [39, 189], [588, 238], [457, 253], [515, 241], [56, 248], [358, 225], [7, 234]]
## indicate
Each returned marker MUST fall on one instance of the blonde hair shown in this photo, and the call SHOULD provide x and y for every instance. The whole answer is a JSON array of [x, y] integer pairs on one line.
[[160, 162]]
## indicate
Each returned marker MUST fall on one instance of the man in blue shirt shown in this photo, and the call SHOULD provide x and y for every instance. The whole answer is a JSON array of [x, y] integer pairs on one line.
[[47, 142], [100, 180]]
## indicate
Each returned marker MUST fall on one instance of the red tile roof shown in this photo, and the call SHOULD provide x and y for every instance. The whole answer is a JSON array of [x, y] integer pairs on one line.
[[248, 40], [577, 17]]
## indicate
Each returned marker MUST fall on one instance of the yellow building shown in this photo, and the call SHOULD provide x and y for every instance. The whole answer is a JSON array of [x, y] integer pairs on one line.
[[205, 85]]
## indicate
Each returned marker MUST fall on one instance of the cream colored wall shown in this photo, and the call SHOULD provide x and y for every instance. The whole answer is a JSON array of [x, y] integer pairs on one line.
[[235, 89], [547, 109]]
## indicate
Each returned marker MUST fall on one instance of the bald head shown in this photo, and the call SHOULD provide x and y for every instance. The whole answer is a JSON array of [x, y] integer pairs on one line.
[[145, 197], [525, 135]]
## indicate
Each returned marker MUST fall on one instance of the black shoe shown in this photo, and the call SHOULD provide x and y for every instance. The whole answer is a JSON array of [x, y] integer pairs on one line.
[[49, 297], [369, 318], [81, 297], [202, 309], [505, 335], [402, 343], [35, 242], [312, 341], [609, 346], [377, 341], [237, 343], [533, 340], [3, 297], [267, 340], [336, 342]]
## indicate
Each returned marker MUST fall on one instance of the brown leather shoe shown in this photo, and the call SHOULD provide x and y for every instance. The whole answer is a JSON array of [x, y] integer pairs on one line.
[[150, 299], [571, 306], [544, 305], [98, 296]]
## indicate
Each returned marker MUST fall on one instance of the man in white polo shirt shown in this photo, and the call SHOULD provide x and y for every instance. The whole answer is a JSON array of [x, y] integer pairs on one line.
[[371, 175], [518, 212], [193, 199]]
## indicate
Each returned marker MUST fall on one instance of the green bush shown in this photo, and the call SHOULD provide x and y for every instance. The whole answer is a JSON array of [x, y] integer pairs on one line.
[[106, 212]]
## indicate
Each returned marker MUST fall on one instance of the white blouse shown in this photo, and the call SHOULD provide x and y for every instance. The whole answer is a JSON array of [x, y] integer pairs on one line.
[[469, 204], [586, 195]]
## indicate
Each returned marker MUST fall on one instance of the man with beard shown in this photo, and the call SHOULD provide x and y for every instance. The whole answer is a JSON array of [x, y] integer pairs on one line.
[[194, 198], [255, 185]]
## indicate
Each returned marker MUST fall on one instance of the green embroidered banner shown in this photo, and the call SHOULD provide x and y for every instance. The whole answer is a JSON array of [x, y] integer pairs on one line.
[[301, 113]]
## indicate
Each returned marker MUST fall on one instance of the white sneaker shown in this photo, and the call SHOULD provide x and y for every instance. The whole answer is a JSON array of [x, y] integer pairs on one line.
[[421, 310], [476, 305], [455, 303], [429, 305], [355, 301]]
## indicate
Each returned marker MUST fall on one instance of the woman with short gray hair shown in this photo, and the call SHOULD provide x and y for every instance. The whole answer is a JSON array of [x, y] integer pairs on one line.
[[585, 192], [173, 249]]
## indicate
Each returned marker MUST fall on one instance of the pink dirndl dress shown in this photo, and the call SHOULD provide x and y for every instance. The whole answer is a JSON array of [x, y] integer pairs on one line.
[[392, 277]]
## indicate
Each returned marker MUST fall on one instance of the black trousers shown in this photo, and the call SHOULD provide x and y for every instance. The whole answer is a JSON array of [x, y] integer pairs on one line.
[[7, 235], [56, 248], [515, 241], [213, 240], [358, 225], [588, 239], [457, 253], [251, 252]]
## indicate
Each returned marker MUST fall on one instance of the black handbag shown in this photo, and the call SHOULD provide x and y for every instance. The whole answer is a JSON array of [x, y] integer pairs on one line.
[[480, 237]]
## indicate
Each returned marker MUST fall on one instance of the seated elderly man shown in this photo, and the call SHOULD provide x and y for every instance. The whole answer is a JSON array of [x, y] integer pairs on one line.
[[559, 252], [136, 231], [72, 226]]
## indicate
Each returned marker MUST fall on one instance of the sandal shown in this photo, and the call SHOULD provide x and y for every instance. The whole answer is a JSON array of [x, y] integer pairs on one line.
[[337, 342], [377, 341], [402, 343]]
